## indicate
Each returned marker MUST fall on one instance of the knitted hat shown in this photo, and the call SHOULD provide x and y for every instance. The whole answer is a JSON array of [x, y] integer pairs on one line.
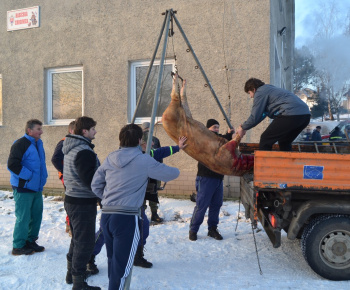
[[145, 136], [212, 122], [145, 125]]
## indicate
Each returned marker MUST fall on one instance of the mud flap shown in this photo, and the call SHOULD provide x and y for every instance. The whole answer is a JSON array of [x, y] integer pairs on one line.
[[274, 234]]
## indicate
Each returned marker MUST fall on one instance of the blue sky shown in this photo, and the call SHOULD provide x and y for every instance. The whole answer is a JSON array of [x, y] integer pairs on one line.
[[308, 13]]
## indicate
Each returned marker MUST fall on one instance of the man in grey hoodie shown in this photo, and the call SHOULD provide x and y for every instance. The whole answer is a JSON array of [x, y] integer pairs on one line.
[[121, 183], [80, 203], [289, 113]]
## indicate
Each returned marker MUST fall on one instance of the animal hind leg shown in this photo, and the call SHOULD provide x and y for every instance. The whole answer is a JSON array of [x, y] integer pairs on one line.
[[184, 102], [175, 92]]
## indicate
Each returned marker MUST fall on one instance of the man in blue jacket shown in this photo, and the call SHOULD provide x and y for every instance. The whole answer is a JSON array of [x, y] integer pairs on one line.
[[28, 177], [316, 135], [289, 113]]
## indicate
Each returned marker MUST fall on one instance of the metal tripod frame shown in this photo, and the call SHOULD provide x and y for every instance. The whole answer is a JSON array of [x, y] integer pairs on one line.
[[169, 16]]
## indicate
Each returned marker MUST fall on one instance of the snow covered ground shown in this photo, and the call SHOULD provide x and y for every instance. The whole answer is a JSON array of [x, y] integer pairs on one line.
[[178, 262]]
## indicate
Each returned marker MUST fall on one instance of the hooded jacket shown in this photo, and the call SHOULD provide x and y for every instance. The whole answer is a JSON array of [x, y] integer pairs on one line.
[[272, 101], [27, 165], [79, 166], [122, 179]]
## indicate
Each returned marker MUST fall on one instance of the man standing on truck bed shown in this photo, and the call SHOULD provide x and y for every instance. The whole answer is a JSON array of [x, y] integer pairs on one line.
[[289, 113]]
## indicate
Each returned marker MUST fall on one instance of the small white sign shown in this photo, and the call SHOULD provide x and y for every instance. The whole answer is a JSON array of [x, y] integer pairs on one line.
[[23, 18]]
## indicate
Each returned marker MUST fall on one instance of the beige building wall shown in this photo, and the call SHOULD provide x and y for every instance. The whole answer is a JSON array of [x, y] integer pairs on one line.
[[234, 40]]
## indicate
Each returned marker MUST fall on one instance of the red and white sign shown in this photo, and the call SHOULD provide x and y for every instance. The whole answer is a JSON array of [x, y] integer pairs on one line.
[[23, 18]]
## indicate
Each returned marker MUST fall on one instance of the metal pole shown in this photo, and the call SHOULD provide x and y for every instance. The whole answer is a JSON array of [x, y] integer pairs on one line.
[[156, 97], [202, 71], [149, 69]]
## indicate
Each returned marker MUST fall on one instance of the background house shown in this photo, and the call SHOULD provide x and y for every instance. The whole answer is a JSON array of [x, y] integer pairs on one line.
[[89, 58], [309, 96]]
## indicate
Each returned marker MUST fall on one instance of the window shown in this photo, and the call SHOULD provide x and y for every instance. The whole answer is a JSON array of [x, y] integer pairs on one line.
[[0, 99], [64, 95], [138, 71]]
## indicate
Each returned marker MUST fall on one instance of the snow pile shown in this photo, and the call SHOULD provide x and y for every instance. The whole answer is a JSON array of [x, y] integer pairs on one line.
[[178, 263]]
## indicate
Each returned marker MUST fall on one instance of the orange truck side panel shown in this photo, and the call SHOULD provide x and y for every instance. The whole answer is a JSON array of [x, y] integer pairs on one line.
[[300, 170]]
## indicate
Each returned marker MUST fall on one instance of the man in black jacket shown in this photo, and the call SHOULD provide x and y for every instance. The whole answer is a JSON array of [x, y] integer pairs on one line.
[[210, 193], [80, 164], [337, 135], [57, 161]]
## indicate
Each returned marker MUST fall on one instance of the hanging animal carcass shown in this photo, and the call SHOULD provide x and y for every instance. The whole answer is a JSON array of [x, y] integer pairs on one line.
[[214, 152]]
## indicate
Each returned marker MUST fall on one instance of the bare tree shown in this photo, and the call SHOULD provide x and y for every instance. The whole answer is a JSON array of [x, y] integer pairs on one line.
[[328, 20], [331, 57]]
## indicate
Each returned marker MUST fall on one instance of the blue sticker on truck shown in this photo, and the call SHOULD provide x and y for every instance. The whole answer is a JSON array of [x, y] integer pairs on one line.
[[313, 172]]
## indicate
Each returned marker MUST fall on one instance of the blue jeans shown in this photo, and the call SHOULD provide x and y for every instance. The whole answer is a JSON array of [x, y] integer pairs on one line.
[[144, 227], [210, 194]]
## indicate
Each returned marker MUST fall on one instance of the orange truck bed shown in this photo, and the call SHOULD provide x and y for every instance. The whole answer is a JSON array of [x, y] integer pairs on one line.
[[302, 171]]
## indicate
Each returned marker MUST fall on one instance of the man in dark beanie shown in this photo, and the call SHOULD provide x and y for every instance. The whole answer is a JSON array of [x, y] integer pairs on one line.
[[316, 135], [212, 122], [210, 193]]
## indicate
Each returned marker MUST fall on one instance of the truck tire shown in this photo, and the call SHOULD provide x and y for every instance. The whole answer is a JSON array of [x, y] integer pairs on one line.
[[326, 246]]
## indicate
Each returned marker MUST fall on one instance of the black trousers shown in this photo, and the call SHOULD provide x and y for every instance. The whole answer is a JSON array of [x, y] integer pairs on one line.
[[284, 130], [82, 221]]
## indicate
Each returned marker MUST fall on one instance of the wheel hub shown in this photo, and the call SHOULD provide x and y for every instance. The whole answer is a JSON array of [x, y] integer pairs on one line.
[[335, 249]]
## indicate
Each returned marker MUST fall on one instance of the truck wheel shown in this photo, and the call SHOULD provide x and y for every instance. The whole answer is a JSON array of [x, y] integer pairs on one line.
[[326, 246]]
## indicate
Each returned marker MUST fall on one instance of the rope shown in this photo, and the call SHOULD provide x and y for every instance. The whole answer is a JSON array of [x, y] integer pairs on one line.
[[175, 58], [225, 61]]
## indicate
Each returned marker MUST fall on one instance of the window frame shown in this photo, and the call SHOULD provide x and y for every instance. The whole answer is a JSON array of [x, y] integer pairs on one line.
[[49, 108], [132, 83]]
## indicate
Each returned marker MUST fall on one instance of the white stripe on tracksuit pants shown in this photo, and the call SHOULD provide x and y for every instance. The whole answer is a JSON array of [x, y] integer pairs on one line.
[[122, 235]]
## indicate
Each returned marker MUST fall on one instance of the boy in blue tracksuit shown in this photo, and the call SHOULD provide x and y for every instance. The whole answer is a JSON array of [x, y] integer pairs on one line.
[[140, 261], [27, 166], [121, 183], [158, 154]]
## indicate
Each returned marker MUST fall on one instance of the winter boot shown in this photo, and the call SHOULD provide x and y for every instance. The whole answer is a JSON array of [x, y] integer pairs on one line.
[[140, 261], [193, 197], [80, 284], [213, 232], [192, 236], [69, 279], [91, 266], [25, 250], [156, 218], [33, 245]]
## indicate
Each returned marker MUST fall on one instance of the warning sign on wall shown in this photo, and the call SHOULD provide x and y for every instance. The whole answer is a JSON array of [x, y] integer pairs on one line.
[[23, 18]]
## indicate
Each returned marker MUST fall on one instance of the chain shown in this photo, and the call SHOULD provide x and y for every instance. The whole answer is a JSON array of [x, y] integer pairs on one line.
[[239, 209], [256, 250]]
